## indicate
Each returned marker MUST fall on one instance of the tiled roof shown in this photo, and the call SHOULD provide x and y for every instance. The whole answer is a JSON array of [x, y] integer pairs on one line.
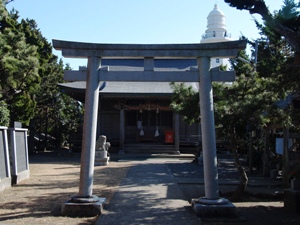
[[124, 87]]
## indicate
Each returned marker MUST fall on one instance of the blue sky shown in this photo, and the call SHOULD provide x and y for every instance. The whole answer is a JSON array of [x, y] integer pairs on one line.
[[132, 21]]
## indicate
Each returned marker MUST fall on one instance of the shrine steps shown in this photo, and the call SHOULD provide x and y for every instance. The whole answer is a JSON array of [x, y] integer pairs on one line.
[[141, 148]]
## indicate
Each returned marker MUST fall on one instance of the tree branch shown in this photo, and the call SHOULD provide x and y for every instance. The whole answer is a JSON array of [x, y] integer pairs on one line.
[[9, 1]]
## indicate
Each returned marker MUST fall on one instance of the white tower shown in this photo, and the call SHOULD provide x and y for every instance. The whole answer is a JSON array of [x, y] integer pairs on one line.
[[216, 32]]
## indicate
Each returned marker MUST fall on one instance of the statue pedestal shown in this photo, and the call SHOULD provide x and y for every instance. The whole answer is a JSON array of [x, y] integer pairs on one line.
[[291, 200], [291, 197], [101, 158], [295, 184]]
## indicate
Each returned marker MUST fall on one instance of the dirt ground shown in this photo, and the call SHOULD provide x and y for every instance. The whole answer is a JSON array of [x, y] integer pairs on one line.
[[54, 179]]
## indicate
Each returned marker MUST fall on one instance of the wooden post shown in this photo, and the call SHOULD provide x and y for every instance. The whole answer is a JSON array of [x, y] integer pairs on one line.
[[177, 133], [122, 128], [285, 157]]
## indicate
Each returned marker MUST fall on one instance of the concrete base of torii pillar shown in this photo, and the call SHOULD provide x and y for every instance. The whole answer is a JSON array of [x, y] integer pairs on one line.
[[83, 207], [219, 208]]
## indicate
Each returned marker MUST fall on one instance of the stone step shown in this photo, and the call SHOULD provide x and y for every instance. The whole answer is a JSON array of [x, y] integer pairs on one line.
[[149, 149]]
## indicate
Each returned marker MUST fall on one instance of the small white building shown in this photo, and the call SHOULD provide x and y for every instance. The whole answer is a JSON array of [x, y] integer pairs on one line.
[[216, 32]]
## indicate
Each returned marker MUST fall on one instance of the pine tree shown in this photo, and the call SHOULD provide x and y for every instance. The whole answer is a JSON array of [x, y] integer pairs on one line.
[[29, 74], [18, 68], [285, 22]]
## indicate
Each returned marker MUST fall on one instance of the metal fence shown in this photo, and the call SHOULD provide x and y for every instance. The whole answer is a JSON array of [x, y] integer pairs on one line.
[[14, 163]]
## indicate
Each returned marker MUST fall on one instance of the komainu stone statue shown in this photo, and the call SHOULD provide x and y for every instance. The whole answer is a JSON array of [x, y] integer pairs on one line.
[[101, 154], [101, 144]]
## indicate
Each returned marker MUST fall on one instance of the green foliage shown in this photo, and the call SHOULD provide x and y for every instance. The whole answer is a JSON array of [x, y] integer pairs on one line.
[[251, 5], [288, 15], [29, 74], [58, 114], [251, 99], [4, 114], [285, 22], [185, 101], [18, 68]]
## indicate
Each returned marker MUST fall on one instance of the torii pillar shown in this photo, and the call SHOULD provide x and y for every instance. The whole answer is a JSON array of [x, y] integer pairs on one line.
[[210, 206], [86, 204]]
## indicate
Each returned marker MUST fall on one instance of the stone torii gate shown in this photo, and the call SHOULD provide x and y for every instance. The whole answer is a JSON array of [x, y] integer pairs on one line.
[[81, 204]]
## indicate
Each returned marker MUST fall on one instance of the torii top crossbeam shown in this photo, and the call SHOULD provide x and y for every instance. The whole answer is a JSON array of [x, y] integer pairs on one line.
[[84, 50]]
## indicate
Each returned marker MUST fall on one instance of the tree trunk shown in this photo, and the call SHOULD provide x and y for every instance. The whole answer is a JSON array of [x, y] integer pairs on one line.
[[297, 58], [250, 154], [266, 168], [46, 129], [31, 144], [243, 176]]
